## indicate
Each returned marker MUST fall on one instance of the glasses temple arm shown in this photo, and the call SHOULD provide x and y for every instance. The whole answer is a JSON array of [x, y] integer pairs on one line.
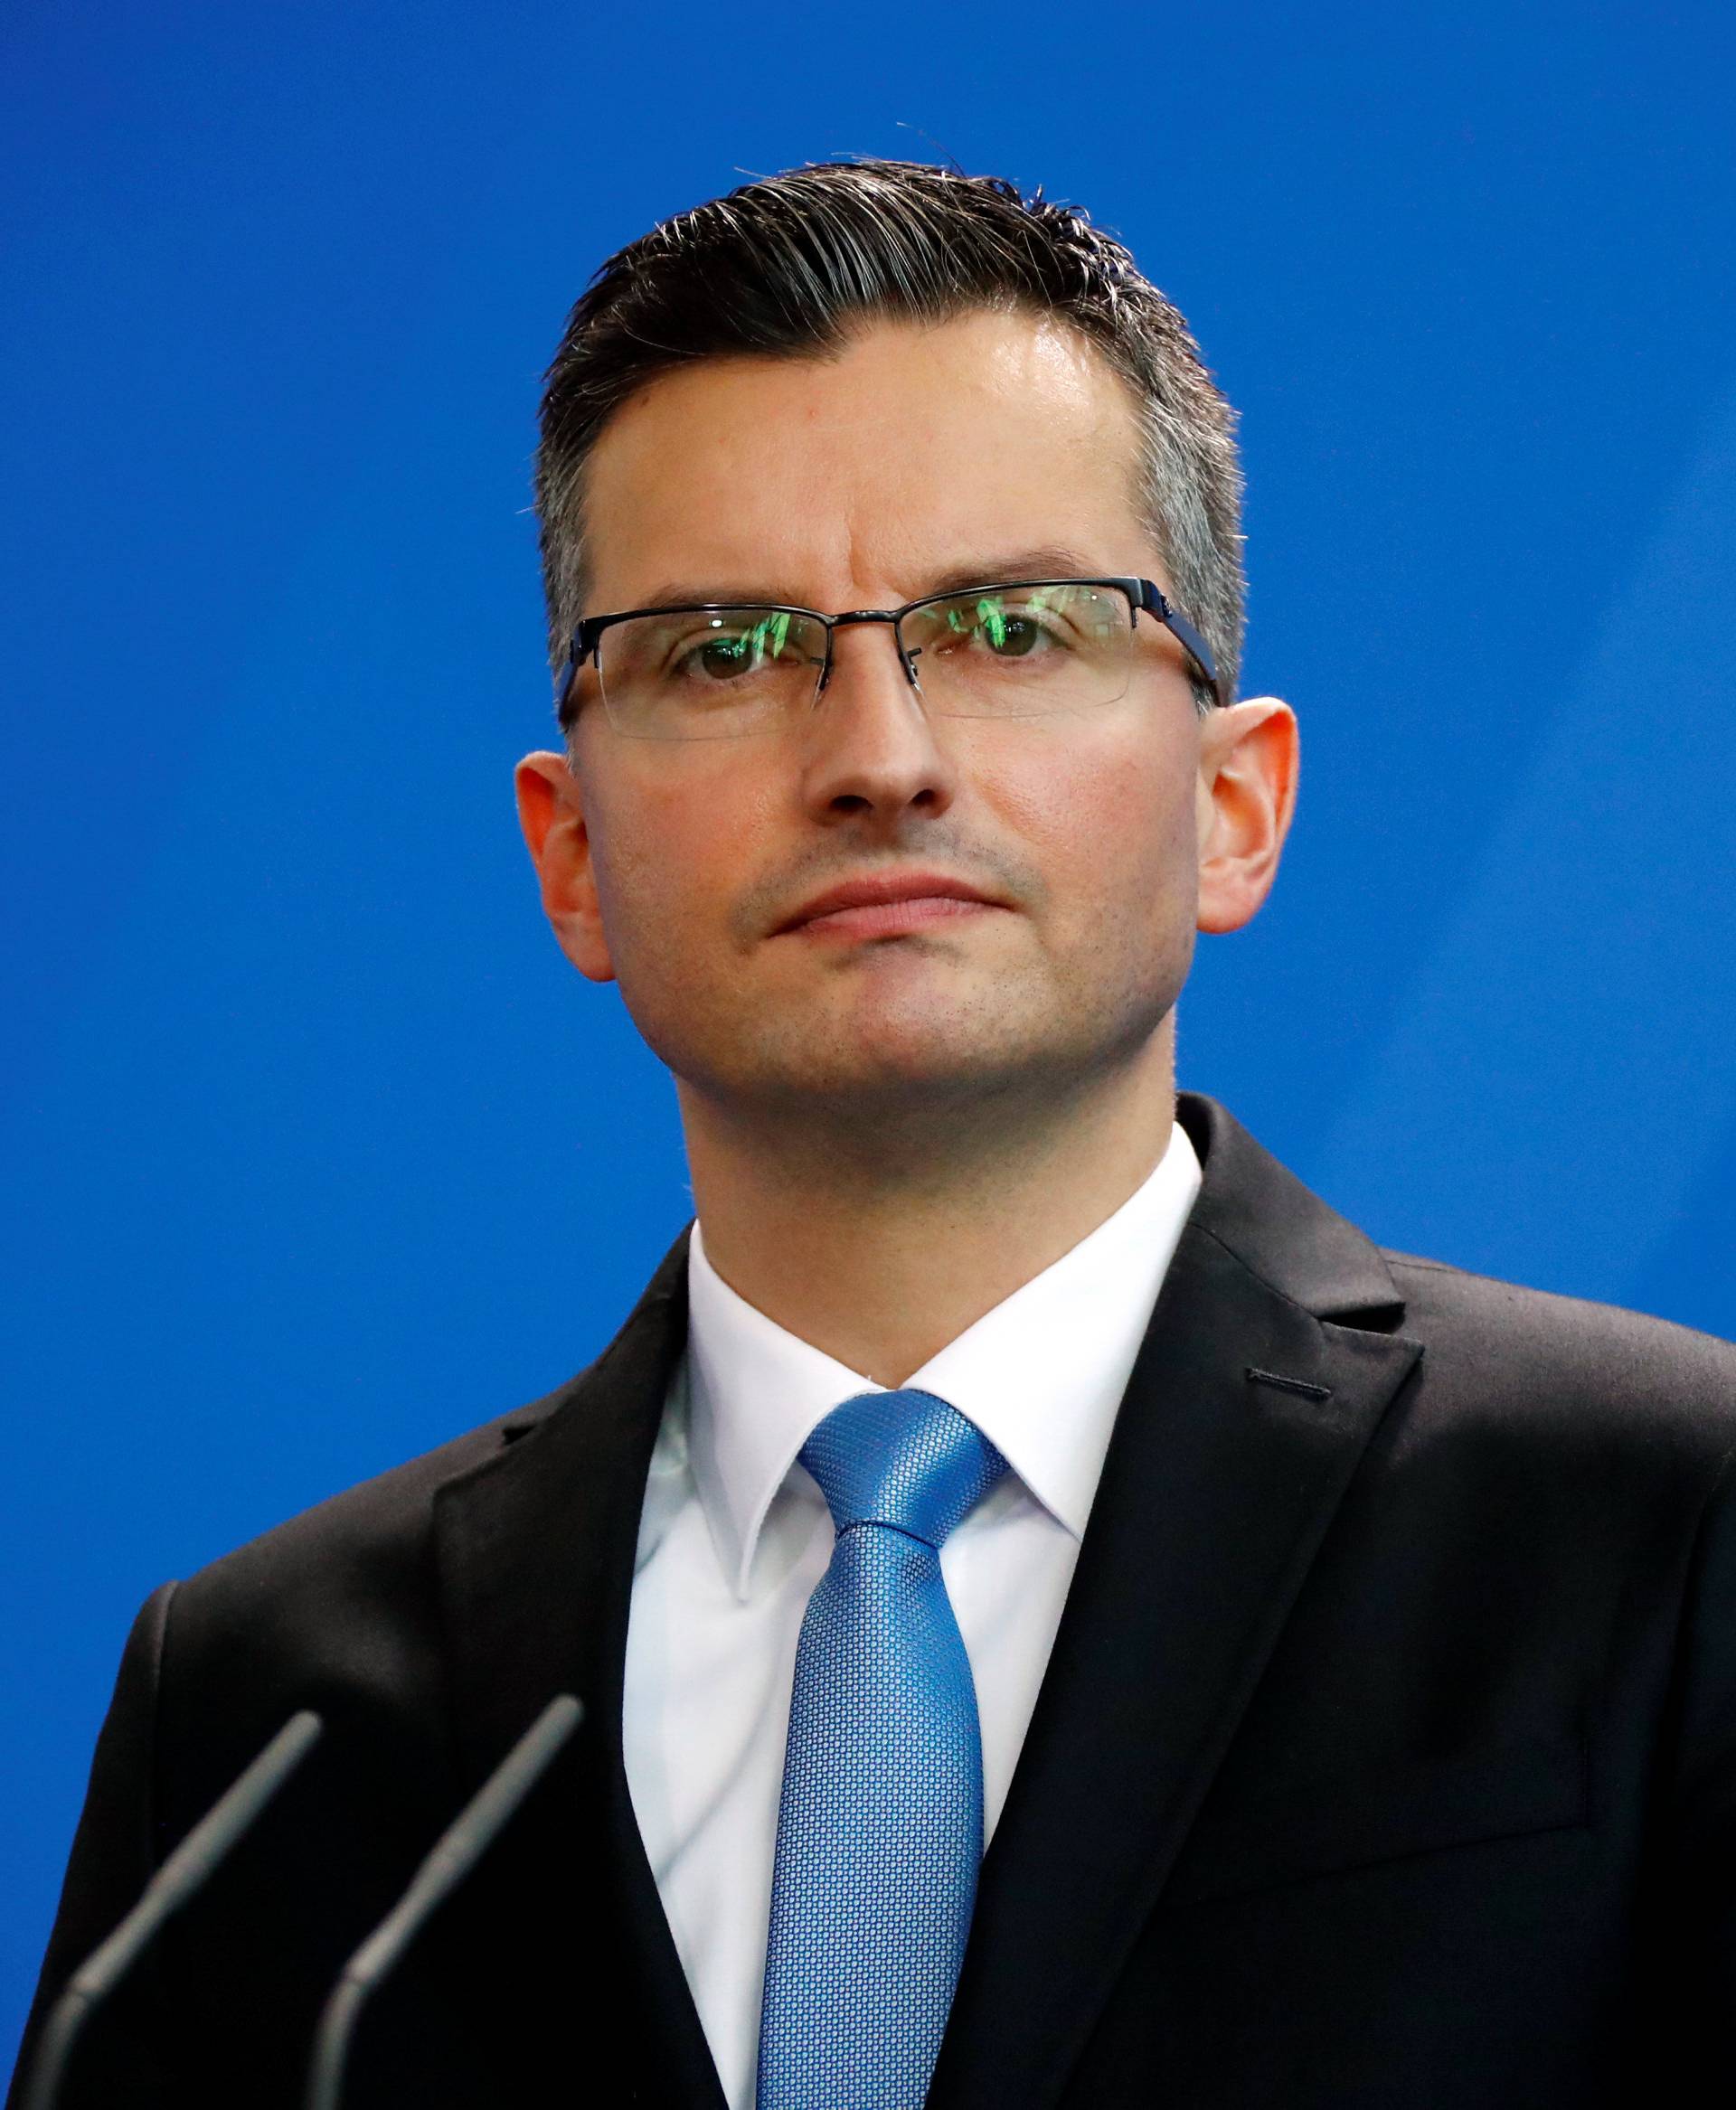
[[1179, 627]]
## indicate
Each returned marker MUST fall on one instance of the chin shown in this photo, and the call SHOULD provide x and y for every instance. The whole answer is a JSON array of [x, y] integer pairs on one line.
[[908, 1064]]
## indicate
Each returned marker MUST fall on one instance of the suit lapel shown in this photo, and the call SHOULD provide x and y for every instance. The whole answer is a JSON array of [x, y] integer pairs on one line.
[[536, 1554], [1217, 1490]]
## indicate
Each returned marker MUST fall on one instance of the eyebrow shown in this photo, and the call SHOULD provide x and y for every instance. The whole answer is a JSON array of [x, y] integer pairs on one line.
[[1049, 561]]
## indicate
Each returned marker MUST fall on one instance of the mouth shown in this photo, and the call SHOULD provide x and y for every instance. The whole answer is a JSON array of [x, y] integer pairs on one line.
[[893, 906]]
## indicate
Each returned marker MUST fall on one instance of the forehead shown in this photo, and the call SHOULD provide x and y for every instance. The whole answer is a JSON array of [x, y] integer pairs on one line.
[[866, 473]]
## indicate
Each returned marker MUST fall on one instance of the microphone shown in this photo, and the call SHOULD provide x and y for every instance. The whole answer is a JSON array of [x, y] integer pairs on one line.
[[455, 1853], [180, 1878]]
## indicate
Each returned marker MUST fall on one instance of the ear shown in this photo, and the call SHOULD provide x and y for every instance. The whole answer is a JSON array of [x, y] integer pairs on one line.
[[1246, 794], [551, 811]]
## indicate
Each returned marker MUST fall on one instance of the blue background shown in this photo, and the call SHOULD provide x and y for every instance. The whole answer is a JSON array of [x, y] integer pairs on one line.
[[315, 1153]]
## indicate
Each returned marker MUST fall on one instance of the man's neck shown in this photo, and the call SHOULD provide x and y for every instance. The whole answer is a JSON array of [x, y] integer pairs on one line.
[[881, 1265]]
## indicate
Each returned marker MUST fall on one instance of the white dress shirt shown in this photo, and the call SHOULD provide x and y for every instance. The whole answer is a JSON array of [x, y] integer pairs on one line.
[[735, 1534]]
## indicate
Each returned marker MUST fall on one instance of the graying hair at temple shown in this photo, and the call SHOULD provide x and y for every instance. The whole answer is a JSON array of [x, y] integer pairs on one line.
[[789, 265]]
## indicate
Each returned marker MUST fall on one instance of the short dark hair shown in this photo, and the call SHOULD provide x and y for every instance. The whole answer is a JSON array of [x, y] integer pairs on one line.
[[787, 266]]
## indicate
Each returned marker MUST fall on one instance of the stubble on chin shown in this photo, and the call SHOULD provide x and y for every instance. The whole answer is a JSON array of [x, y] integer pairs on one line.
[[910, 1086]]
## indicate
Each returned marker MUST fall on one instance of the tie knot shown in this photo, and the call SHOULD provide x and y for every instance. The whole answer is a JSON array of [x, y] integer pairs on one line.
[[901, 1458]]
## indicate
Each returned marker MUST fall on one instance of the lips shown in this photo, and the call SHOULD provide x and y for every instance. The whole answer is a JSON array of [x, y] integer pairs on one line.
[[890, 902]]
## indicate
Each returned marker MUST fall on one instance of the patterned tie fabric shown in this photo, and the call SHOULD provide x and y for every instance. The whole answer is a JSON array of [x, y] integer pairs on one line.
[[880, 1830]]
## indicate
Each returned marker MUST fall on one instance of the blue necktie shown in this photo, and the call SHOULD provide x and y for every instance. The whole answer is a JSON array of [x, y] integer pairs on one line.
[[880, 1830]]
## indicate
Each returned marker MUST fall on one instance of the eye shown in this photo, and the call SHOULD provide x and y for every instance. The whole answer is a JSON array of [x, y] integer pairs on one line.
[[721, 657], [1001, 626], [1014, 637], [730, 647]]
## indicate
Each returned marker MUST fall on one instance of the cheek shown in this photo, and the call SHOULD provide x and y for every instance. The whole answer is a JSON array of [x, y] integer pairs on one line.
[[672, 840], [1109, 821]]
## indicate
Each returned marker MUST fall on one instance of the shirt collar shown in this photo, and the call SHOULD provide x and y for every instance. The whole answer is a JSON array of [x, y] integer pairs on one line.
[[1042, 1375]]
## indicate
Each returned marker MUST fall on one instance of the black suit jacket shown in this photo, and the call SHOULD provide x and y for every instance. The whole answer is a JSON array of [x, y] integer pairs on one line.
[[1386, 1756]]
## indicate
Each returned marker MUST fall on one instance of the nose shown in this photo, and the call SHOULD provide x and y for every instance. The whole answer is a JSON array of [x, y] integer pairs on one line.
[[869, 746]]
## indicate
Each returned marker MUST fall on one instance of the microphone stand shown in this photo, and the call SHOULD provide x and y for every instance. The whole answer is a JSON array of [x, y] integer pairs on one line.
[[180, 1878], [453, 1855]]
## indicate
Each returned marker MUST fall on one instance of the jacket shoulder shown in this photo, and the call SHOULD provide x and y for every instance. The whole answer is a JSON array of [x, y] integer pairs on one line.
[[353, 1574], [1571, 1362]]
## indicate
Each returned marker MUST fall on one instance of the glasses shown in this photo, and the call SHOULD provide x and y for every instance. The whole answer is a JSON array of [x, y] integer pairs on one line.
[[1030, 649]]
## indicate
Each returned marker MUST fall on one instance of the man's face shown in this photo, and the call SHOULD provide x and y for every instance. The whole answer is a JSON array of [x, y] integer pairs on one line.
[[993, 446]]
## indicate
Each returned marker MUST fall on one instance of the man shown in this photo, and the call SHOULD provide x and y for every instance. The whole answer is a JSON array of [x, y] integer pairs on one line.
[[1064, 1619]]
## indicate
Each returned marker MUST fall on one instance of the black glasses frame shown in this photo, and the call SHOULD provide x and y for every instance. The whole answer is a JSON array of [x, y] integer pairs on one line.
[[1143, 597]]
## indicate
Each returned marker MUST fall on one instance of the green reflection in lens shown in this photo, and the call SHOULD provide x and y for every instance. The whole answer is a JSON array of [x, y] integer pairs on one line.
[[1012, 632], [740, 651]]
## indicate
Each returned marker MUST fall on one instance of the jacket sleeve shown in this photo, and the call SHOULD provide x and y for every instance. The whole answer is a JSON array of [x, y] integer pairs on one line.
[[1699, 1892], [114, 1852]]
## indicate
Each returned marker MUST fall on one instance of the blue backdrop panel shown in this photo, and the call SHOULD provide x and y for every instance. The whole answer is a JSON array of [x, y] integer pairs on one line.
[[313, 1151]]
